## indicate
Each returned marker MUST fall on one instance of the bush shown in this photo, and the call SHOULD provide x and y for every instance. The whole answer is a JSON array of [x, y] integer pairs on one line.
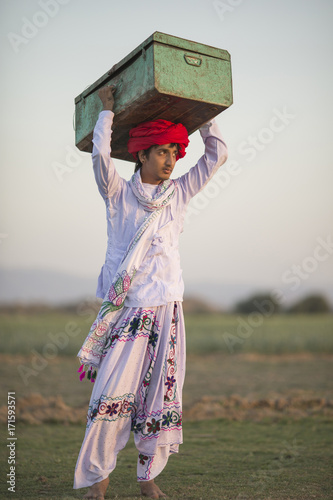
[[255, 304], [314, 304]]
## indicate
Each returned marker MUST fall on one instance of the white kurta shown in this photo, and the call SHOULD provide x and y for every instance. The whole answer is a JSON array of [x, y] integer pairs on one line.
[[159, 279], [140, 380]]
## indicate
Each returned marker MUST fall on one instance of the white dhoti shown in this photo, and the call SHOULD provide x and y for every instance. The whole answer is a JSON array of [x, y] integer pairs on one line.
[[139, 388]]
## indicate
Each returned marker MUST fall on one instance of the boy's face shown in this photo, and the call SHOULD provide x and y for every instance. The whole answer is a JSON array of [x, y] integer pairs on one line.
[[159, 165]]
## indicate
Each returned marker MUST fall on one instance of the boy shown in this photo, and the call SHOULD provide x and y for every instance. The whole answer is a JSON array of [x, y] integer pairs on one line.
[[138, 338]]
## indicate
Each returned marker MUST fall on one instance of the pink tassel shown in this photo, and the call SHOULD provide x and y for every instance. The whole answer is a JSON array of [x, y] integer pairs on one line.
[[80, 369], [93, 380], [83, 374]]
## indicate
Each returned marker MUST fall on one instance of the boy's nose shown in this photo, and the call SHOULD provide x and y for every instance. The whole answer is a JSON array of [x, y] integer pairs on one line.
[[168, 160]]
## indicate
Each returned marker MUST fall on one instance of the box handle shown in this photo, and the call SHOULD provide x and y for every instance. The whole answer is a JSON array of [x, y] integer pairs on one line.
[[192, 60]]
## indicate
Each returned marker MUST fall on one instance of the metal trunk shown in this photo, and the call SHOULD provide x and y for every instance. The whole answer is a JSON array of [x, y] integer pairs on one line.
[[165, 77]]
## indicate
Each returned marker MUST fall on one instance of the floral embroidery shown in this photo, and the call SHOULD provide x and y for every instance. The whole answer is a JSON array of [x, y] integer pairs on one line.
[[112, 410], [147, 378], [171, 366], [146, 425], [153, 338], [107, 408], [171, 419], [153, 426], [172, 342], [142, 324], [114, 337], [134, 325], [137, 427], [94, 413], [100, 328], [167, 419], [170, 382], [94, 344], [144, 467], [117, 292], [143, 459]]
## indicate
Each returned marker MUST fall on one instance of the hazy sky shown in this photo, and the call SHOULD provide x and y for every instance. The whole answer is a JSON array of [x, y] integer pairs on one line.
[[268, 220]]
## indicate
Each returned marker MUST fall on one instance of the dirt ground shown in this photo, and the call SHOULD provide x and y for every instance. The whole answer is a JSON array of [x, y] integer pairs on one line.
[[239, 387]]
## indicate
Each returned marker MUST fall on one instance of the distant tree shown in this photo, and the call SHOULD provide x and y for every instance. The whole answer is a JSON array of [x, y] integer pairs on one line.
[[310, 305], [260, 303], [194, 305]]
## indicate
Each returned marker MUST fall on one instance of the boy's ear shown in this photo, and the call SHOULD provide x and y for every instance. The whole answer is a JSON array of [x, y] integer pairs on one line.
[[141, 155]]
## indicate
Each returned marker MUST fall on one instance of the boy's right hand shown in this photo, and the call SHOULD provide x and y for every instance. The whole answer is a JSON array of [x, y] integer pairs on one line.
[[106, 96]]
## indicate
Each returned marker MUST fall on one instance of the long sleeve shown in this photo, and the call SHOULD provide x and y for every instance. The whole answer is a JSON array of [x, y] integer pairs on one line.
[[215, 155], [107, 178]]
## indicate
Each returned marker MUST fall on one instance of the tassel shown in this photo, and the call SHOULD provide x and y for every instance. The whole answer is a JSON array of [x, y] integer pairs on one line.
[[91, 372]]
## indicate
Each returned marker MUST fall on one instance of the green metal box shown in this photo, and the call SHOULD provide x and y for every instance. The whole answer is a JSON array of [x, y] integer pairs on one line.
[[165, 77]]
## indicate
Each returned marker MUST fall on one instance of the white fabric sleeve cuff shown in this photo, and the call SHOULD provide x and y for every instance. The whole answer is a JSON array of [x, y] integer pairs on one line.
[[207, 125], [106, 113]]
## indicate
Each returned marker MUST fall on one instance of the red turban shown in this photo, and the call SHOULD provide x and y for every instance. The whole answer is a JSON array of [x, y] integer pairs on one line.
[[157, 132]]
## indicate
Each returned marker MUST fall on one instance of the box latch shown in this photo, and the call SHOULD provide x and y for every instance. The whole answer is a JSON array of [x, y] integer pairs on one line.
[[192, 60]]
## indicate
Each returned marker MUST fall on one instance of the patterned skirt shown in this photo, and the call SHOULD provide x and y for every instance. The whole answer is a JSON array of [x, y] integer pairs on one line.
[[138, 388]]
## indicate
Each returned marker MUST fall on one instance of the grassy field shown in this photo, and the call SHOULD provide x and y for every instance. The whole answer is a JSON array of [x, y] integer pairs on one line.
[[249, 454], [218, 460], [19, 333]]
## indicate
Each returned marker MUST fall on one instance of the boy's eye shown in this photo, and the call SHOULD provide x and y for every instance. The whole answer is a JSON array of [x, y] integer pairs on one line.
[[163, 152]]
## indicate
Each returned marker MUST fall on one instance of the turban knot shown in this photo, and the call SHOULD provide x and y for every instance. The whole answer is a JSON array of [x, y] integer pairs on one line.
[[157, 133]]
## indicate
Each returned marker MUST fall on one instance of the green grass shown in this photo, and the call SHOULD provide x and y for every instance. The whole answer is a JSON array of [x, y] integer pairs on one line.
[[219, 460], [20, 333], [63, 333], [278, 334]]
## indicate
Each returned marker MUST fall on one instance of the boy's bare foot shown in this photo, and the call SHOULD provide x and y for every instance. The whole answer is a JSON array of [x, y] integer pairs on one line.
[[97, 490], [151, 490]]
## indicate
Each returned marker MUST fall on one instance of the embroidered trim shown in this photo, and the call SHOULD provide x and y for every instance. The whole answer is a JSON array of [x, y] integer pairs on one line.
[[149, 429], [110, 409], [142, 324], [145, 472], [171, 362]]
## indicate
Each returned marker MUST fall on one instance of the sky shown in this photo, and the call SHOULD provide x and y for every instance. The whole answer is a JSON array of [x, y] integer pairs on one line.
[[266, 221]]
